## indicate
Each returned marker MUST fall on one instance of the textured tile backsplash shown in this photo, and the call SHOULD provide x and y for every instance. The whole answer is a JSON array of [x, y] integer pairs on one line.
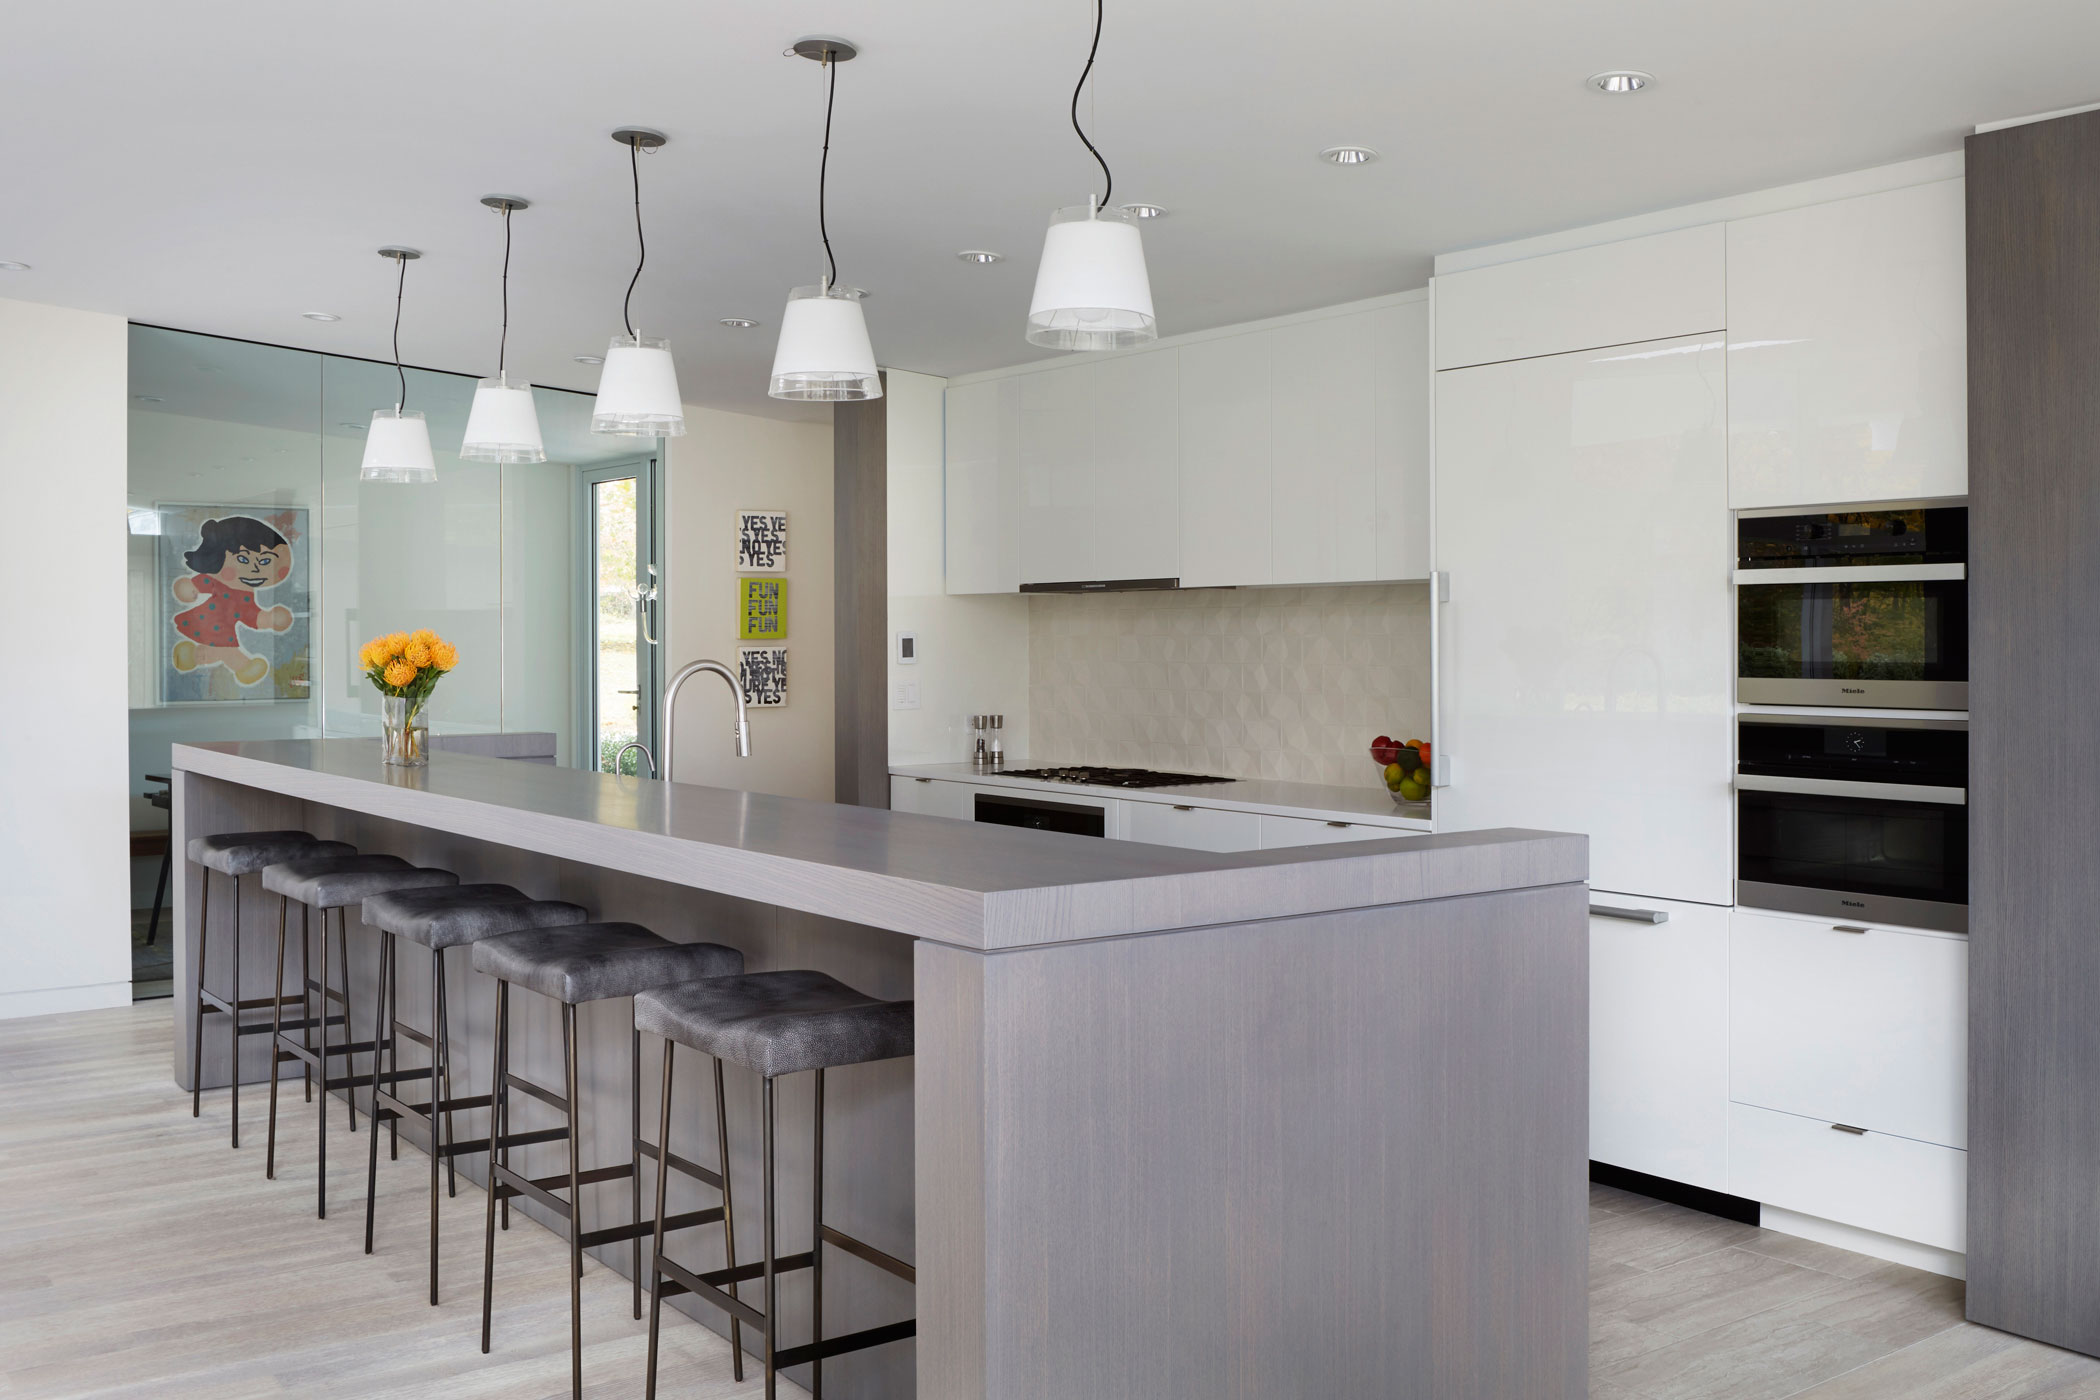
[[1290, 683]]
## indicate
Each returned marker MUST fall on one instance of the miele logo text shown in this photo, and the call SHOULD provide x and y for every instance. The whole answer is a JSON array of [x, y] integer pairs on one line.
[[1853, 903], [1852, 690]]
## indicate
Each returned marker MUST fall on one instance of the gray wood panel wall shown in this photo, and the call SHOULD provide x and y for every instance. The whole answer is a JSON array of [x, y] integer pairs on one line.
[[2034, 778], [860, 534]]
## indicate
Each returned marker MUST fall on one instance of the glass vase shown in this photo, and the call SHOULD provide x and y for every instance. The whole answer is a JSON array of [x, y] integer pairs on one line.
[[405, 739]]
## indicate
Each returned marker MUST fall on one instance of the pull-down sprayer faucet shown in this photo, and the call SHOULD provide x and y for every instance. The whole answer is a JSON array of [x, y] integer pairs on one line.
[[743, 727]]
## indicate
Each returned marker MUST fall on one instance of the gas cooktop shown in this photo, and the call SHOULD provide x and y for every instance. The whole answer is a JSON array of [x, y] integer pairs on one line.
[[1113, 777]]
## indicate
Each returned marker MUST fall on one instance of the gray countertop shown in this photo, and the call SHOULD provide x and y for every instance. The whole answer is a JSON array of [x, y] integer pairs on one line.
[[1370, 806], [981, 887]]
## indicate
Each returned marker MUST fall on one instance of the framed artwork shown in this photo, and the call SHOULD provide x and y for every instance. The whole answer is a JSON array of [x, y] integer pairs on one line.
[[761, 609], [762, 541], [764, 671], [234, 591]]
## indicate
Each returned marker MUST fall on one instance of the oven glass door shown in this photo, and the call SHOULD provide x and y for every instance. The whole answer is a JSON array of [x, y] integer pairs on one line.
[[1899, 643], [1869, 858]]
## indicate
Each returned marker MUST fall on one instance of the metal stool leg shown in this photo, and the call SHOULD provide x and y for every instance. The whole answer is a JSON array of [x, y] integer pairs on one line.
[[384, 1012], [663, 1177], [443, 1031], [233, 1020], [816, 1246], [306, 977], [499, 1112], [771, 1304], [197, 1022], [439, 1073], [393, 1058], [634, 1179], [321, 1117], [568, 1051], [276, 1053], [736, 1324], [160, 893]]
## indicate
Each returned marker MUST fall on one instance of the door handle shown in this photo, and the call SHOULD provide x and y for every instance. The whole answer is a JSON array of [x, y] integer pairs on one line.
[[1179, 808], [1846, 928], [1638, 916], [1848, 1128]]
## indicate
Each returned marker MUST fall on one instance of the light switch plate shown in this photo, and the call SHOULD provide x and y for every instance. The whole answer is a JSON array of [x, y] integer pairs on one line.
[[904, 695]]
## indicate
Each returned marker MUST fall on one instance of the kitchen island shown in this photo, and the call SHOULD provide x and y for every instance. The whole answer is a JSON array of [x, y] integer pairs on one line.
[[1302, 1122]]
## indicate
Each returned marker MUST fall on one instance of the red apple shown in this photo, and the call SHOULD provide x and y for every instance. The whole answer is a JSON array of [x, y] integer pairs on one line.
[[1384, 750]]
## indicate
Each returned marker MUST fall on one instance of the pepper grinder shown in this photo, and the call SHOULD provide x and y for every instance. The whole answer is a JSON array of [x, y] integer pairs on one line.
[[998, 748], [980, 751]]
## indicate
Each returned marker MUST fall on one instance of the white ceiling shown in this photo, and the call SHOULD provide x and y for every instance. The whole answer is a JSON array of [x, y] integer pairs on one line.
[[224, 165]]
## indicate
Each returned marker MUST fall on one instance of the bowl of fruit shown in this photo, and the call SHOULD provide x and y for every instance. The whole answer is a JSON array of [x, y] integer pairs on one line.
[[1406, 767]]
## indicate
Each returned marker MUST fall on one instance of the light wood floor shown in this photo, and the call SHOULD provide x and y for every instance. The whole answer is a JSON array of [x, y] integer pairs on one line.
[[140, 1257]]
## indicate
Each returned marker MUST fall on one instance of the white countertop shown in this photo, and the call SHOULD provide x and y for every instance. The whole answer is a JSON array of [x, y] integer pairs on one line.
[[1314, 801]]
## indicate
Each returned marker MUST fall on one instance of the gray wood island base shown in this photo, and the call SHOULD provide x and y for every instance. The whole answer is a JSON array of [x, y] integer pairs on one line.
[[1180, 1125]]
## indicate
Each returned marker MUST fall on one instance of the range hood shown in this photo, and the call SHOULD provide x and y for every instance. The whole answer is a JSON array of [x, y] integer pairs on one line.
[[1105, 585]]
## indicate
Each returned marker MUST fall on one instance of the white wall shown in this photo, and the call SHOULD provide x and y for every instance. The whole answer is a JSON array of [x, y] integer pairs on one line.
[[973, 650], [724, 463], [65, 929]]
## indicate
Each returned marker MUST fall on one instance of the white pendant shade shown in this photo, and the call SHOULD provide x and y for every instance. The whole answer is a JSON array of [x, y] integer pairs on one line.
[[503, 425], [397, 448], [824, 352], [1091, 291], [638, 390]]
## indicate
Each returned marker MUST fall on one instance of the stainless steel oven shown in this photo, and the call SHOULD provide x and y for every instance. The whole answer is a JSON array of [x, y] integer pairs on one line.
[[1865, 822], [1866, 607]]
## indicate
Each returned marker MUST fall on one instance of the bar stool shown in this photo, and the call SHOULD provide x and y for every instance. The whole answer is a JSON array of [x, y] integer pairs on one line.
[[238, 853], [774, 1024], [573, 965], [332, 882], [440, 917]]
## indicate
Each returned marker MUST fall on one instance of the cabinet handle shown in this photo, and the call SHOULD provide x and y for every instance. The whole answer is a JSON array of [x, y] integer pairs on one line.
[[1638, 916], [1179, 808], [1848, 1128], [1343, 825], [922, 780], [1846, 928]]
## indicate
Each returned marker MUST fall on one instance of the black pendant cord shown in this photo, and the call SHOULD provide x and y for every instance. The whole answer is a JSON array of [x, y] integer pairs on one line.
[[503, 345], [400, 285], [634, 163], [831, 91], [1108, 178]]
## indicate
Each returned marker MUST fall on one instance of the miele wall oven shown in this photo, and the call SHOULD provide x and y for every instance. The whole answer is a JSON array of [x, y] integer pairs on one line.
[[1866, 607], [1864, 822]]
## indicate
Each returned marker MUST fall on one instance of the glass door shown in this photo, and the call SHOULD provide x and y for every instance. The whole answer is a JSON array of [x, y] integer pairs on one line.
[[621, 606]]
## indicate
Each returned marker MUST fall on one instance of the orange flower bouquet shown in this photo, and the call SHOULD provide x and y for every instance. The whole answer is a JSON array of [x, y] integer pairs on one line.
[[404, 667]]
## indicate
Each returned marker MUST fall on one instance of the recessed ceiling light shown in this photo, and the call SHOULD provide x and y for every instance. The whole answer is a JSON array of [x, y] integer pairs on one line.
[[320, 316], [1348, 155], [1145, 211], [1621, 80], [352, 425], [13, 267], [588, 359], [980, 255], [147, 398], [738, 323]]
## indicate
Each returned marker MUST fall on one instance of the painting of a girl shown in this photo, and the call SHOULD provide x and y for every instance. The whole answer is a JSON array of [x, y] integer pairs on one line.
[[236, 559]]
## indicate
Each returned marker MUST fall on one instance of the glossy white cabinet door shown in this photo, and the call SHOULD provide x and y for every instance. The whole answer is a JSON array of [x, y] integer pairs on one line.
[[1875, 1181], [1136, 518], [1279, 832], [982, 487], [1867, 1028], [931, 797], [1667, 284], [1323, 479], [1848, 351], [1060, 478], [1582, 513], [1192, 828], [1225, 429], [1659, 1041], [1401, 337]]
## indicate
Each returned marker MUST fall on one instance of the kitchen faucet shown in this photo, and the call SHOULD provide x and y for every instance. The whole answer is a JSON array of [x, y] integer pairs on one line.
[[729, 677]]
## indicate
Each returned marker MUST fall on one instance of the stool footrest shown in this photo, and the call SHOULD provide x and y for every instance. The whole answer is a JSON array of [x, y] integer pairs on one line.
[[705, 1175], [214, 1002], [545, 1096], [331, 993], [312, 1054], [708, 1285], [852, 1341], [614, 1234], [413, 1034], [861, 1249]]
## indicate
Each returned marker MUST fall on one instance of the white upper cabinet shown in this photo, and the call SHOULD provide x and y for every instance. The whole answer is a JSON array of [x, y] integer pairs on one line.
[[1323, 473], [1848, 351], [1401, 348], [1061, 485], [982, 495], [1136, 516], [1664, 285], [1225, 431], [1586, 662]]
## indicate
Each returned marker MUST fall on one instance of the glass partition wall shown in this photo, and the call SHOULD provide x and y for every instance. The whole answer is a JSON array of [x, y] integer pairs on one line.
[[259, 563]]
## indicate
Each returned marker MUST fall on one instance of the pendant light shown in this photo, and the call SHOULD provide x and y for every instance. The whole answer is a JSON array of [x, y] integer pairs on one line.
[[823, 353], [503, 425], [1091, 291], [638, 388], [397, 445]]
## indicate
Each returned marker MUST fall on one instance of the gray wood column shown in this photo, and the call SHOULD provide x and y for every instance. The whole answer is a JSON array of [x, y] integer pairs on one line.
[[2034, 777], [860, 609]]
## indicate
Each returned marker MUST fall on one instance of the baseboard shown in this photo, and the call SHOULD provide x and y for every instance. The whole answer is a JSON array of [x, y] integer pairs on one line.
[[1918, 1256], [1661, 1188], [49, 1001]]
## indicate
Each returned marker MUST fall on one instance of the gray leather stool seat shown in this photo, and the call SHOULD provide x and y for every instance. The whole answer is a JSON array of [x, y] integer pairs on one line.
[[774, 1023], [573, 965], [439, 917], [337, 882], [238, 853]]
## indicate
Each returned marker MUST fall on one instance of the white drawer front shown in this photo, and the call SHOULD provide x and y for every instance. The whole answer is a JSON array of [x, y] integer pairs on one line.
[[1866, 1028], [1893, 1185], [1304, 831], [1194, 828], [930, 797]]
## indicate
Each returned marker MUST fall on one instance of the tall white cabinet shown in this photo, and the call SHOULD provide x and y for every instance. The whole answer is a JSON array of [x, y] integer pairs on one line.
[[1586, 670]]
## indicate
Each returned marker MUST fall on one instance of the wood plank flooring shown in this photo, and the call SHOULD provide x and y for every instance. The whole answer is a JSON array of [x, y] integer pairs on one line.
[[141, 1258]]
